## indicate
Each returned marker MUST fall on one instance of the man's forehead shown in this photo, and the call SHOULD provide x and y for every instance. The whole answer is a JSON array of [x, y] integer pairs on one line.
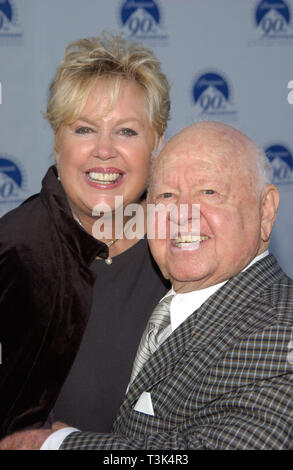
[[187, 161]]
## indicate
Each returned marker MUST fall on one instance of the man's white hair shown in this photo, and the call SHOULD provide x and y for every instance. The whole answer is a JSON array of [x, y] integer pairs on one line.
[[264, 167]]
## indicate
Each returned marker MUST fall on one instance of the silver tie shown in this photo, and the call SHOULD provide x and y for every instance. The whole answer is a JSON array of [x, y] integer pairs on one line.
[[159, 320]]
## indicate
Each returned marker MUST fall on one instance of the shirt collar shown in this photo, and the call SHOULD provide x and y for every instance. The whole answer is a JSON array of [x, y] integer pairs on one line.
[[183, 305]]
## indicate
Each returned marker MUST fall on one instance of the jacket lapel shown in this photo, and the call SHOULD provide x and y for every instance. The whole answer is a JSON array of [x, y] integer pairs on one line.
[[161, 363], [231, 301], [225, 306]]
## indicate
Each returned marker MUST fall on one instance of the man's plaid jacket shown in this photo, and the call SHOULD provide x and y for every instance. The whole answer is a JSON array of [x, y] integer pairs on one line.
[[222, 380]]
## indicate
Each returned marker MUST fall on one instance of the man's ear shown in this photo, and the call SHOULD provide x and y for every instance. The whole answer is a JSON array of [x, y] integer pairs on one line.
[[269, 205]]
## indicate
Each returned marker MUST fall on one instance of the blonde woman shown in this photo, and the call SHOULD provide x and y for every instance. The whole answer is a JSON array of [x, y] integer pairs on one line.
[[74, 306]]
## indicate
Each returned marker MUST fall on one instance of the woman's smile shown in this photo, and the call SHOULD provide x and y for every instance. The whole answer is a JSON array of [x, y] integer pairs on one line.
[[104, 178]]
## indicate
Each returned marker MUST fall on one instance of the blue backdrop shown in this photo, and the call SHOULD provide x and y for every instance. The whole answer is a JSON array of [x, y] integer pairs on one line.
[[228, 60]]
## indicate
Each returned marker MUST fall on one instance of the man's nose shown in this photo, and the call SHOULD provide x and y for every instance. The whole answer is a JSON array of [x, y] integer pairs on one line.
[[185, 216], [185, 209]]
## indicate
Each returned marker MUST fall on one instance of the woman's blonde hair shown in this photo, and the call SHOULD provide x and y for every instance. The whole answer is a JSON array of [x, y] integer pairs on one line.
[[112, 58]]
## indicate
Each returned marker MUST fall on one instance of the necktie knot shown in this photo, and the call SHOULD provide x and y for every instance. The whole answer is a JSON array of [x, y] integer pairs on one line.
[[160, 318]]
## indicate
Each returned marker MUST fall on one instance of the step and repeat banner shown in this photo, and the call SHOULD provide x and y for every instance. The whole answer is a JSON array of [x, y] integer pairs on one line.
[[227, 60]]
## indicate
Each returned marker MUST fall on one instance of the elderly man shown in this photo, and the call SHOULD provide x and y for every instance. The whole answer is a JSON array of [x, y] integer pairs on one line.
[[217, 371]]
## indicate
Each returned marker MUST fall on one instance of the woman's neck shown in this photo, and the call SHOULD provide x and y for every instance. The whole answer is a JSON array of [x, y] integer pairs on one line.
[[119, 231]]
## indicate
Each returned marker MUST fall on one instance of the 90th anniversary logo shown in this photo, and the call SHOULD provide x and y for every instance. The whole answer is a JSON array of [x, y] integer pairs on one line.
[[212, 96], [142, 20], [281, 160], [273, 22], [12, 183], [10, 28]]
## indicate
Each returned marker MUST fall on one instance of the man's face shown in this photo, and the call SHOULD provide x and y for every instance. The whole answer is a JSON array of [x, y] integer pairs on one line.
[[218, 176]]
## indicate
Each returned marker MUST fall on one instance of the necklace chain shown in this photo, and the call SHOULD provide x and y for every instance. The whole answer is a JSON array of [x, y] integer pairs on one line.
[[109, 259]]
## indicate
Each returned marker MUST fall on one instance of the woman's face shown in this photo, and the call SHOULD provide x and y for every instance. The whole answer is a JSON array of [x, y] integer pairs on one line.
[[106, 152]]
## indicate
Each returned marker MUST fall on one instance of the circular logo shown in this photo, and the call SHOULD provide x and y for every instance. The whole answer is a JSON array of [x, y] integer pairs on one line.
[[131, 6], [6, 12], [11, 180], [282, 163], [141, 19], [273, 17], [211, 94], [10, 28]]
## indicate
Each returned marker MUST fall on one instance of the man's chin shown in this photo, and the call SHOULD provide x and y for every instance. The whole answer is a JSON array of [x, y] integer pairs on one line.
[[185, 285], [187, 282]]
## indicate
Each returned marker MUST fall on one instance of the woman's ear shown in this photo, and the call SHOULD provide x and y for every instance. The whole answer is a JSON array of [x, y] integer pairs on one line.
[[56, 147], [269, 206], [161, 141]]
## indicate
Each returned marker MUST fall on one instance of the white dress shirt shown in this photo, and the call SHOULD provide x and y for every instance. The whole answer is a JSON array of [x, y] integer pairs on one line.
[[182, 306]]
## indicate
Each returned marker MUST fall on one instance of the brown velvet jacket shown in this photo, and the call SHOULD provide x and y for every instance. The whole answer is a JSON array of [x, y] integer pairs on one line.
[[45, 300]]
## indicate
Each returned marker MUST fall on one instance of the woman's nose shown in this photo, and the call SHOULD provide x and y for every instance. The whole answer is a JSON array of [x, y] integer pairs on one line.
[[104, 147]]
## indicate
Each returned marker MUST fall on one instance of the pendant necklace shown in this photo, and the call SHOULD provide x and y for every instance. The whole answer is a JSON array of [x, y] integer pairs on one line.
[[109, 259]]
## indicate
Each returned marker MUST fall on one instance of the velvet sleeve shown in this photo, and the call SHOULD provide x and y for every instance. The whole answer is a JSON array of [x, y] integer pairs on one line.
[[17, 347]]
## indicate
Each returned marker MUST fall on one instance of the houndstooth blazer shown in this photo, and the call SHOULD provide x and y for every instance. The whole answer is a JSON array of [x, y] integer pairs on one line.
[[222, 380]]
